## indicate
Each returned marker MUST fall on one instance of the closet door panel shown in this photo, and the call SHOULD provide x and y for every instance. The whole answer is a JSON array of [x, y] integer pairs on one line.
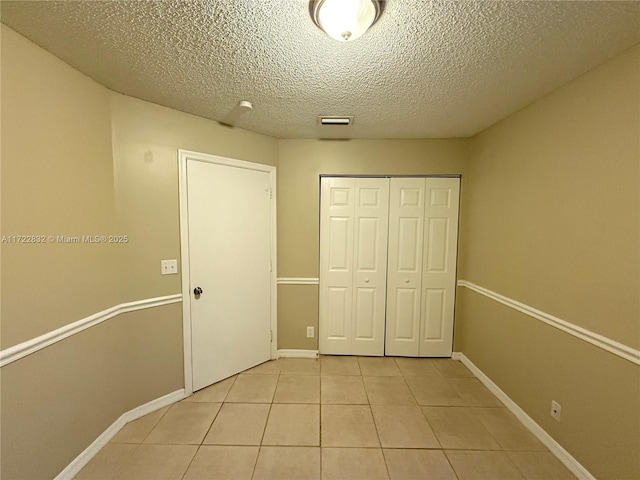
[[404, 278], [336, 265], [436, 246], [365, 313], [439, 266], [338, 309], [434, 310], [370, 265]]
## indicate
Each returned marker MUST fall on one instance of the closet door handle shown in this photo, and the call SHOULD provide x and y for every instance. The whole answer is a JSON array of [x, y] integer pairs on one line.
[[366, 280], [406, 280]]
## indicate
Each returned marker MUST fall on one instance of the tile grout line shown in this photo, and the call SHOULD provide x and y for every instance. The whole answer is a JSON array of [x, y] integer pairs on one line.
[[217, 413], [192, 459], [255, 465], [420, 407], [124, 462], [373, 418], [155, 425], [446, 457]]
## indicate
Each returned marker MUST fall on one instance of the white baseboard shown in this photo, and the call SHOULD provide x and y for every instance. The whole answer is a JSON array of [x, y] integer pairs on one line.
[[554, 447], [85, 457], [288, 353]]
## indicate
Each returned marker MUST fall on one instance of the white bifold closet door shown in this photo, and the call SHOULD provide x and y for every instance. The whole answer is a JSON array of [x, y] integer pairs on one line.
[[353, 265], [423, 233], [388, 249]]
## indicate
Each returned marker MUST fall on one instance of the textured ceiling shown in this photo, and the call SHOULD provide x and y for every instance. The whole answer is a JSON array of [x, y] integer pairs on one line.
[[425, 69]]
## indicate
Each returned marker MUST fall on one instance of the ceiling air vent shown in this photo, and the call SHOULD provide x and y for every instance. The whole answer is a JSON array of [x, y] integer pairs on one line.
[[340, 121]]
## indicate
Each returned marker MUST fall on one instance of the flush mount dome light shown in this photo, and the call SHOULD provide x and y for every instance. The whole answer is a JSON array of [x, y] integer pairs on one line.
[[345, 20]]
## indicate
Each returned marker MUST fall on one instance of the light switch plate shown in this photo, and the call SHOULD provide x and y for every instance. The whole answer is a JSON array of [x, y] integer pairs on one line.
[[168, 267]]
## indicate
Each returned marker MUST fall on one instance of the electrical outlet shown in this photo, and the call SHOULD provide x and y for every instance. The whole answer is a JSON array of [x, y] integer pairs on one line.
[[556, 410], [310, 332], [168, 267]]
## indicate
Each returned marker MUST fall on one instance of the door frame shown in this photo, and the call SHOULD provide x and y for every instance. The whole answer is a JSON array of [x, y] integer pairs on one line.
[[183, 157]]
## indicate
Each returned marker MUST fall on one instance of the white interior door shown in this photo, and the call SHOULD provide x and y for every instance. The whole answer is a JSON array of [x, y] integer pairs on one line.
[[229, 232], [404, 279], [439, 266], [353, 238]]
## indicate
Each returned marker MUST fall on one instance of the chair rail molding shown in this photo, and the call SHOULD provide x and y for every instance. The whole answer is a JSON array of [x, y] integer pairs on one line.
[[298, 281], [16, 352], [605, 343]]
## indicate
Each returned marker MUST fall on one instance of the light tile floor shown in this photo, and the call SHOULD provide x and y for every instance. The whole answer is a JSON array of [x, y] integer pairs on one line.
[[351, 418]]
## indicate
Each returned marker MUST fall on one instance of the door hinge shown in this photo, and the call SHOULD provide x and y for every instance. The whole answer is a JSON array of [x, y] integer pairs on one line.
[[271, 332], [270, 193], [270, 266]]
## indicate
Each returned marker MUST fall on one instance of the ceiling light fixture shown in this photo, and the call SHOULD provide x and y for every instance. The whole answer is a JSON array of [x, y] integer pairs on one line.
[[345, 20]]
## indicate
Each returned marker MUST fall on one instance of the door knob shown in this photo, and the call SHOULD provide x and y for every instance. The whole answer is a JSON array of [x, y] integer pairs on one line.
[[406, 280], [197, 291], [366, 280]]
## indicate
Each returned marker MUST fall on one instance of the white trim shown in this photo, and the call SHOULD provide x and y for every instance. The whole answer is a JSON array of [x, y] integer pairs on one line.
[[183, 156], [85, 457], [185, 269], [554, 447], [23, 349], [289, 353], [617, 348], [274, 264], [298, 281]]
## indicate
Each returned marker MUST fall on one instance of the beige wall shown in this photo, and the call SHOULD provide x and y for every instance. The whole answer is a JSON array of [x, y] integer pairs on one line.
[[551, 219], [552, 208], [300, 164], [78, 159], [56, 402], [297, 310], [57, 179], [534, 363]]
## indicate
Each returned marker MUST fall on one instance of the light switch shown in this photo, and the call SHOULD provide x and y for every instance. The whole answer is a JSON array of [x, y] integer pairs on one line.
[[169, 267]]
